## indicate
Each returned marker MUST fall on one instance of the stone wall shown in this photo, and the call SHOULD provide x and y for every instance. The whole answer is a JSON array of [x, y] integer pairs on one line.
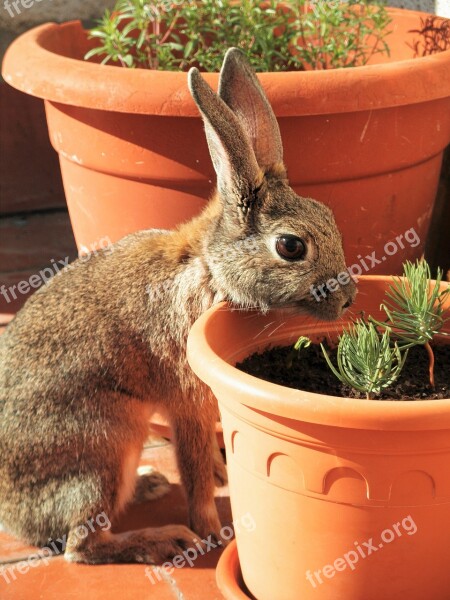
[[424, 5], [15, 18], [440, 7]]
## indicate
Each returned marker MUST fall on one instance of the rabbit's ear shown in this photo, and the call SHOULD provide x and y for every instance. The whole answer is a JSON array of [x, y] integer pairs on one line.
[[242, 92], [238, 173]]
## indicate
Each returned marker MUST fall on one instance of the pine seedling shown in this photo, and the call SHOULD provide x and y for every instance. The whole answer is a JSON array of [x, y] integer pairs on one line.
[[415, 309], [366, 360], [302, 342]]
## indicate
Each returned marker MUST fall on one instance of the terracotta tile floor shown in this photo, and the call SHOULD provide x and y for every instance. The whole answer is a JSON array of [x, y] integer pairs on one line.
[[62, 580]]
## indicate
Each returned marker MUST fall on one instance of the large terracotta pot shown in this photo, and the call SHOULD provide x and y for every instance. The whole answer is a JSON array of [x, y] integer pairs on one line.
[[367, 141], [351, 498]]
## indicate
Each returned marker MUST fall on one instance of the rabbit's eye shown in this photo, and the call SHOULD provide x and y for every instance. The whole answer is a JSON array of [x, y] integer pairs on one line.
[[290, 247]]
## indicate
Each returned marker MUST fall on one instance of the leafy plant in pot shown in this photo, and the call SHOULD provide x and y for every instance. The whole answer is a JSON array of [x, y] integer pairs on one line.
[[340, 488], [134, 133], [286, 36]]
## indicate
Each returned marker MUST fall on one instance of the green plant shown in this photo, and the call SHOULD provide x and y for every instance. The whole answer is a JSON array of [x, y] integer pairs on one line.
[[302, 342], [366, 361], [291, 35], [415, 308]]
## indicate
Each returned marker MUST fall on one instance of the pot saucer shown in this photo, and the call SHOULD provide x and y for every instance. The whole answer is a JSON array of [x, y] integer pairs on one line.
[[229, 577]]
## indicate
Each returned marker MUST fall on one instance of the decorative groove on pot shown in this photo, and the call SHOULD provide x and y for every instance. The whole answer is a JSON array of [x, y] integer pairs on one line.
[[423, 484], [300, 469], [232, 441], [345, 485], [284, 471]]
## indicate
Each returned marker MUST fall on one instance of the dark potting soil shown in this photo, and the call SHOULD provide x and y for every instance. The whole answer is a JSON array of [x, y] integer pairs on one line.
[[310, 372]]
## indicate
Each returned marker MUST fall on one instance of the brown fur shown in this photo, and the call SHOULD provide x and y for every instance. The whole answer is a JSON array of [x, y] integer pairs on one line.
[[92, 354]]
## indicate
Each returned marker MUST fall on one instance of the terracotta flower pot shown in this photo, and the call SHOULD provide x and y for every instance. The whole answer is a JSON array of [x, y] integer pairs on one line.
[[351, 498], [367, 141]]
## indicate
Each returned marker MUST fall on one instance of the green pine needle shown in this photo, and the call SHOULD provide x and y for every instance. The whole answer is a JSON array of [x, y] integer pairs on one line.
[[302, 342], [366, 361], [415, 308]]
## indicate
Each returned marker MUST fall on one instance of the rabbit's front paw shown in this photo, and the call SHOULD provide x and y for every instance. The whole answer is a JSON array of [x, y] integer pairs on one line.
[[150, 485], [172, 541], [208, 527]]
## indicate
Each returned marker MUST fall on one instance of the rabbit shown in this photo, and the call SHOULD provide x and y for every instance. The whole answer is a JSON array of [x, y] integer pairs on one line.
[[101, 346]]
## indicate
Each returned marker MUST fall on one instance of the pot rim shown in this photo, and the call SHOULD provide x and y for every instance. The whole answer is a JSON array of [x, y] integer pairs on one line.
[[30, 67], [263, 396]]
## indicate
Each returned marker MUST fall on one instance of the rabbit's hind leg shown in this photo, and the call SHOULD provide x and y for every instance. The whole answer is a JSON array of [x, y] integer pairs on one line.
[[151, 546], [91, 540]]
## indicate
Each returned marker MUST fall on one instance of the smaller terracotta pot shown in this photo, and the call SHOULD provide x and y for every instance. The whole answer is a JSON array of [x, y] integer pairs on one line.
[[350, 498]]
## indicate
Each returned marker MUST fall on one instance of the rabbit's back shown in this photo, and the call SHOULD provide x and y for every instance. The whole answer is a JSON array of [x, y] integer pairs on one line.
[[70, 326]]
